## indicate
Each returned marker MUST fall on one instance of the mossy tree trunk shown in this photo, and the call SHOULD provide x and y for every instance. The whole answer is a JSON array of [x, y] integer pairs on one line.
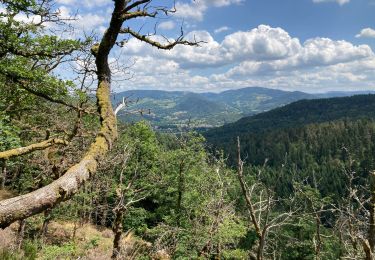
[[66, 186]]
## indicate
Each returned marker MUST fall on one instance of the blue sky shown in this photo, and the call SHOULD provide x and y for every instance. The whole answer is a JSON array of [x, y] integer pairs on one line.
[[306, 45]]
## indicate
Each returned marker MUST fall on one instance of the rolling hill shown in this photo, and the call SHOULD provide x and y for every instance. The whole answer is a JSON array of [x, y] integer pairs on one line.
[[203, 110]]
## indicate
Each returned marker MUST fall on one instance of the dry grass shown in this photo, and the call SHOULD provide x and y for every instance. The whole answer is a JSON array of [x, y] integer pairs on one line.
[[90, 242], [5, 194], [8, 237], [94, 243]]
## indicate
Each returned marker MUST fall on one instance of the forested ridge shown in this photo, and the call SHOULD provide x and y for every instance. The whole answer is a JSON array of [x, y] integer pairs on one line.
[[78, 184], [298, 114]]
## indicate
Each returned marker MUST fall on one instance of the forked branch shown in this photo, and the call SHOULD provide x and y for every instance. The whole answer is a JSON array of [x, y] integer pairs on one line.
[[167, 46], [31, 148]]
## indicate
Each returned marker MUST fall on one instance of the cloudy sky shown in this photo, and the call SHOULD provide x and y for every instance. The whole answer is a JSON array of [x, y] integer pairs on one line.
[[306, 45]]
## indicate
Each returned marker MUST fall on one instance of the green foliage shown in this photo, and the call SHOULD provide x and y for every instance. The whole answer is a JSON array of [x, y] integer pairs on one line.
[[65, 251], [192, 206], [28, 55], [235, 254], [9, 134]]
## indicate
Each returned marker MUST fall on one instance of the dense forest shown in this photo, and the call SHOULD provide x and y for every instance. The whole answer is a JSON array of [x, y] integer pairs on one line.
[[298, 114], [78, 184]]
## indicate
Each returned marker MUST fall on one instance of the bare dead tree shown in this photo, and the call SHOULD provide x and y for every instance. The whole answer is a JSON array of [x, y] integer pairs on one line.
[[260, 202], [67, 185], [221, 210], [355, 223], [123, 202]]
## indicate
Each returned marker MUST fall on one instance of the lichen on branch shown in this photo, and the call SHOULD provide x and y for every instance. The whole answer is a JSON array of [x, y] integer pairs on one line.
[[31, 148]]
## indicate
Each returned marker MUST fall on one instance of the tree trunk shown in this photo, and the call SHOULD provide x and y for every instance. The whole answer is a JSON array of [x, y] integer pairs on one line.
[[318, 246], [245, 192], [47, 219], [4, 175], [262, 242], [117, 230], [366, 248], [20, 234], [66, 186]]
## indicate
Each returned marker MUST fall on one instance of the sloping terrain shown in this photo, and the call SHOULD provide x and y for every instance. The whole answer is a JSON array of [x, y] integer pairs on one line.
[[299, 113], [202, 110]]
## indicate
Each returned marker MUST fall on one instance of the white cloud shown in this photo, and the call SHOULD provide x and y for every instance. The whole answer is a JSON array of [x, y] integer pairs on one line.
[[263, 56], [340, 2], [262, 43], [366, 33], [318, 52], [85, 22], [196, 10], [324, 51], [221, 29], [168, 25]]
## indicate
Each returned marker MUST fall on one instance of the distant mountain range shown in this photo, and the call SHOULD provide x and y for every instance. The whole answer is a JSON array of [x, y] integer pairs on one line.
[[297, 114], [175, 109]]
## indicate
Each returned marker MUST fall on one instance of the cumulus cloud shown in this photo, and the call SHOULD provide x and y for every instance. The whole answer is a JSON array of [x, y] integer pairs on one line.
[[261, 43], [318, 52], [263, 56], [324, 51], [340, 2], [262, 49], [366, 33], [194, 10]]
